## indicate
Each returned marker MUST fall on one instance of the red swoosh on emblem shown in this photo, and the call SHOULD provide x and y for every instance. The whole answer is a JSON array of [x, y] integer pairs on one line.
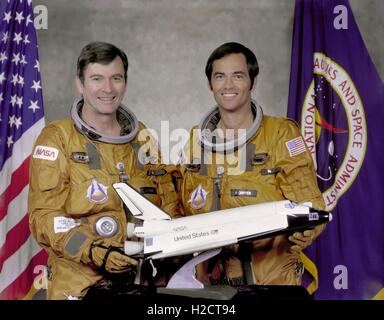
[[324, 124]]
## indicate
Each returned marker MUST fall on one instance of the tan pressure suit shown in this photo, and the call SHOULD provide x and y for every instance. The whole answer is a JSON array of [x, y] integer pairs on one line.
[[71, 179], [267, 168]]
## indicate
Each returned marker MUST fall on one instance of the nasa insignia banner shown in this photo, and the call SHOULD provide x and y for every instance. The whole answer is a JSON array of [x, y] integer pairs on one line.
[[337, 97]]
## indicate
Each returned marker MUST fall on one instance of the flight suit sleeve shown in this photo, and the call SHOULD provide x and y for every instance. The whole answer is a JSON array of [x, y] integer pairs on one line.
[[297, 177], [49, 186]]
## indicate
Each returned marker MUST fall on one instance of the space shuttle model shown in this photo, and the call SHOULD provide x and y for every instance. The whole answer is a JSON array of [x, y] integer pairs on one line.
[[167, 237]]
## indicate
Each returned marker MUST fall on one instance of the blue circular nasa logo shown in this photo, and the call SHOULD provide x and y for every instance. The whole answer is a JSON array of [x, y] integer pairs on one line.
[[334, 128]]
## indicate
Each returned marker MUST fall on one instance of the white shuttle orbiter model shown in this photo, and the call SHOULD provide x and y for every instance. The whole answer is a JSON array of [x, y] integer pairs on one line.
[[166, 237]]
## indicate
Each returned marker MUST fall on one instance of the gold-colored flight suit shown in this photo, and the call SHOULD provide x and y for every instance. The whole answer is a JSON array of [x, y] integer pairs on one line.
[[269, 173], [71, 188]]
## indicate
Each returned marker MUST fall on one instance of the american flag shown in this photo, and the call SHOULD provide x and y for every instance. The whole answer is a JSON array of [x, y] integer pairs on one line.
[[295, 146], [21, 119]]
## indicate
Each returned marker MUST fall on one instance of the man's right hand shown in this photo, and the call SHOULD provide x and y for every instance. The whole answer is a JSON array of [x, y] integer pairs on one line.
[[108, 256]]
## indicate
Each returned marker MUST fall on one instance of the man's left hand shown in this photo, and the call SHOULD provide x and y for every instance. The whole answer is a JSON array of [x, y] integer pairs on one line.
[[302, 240]]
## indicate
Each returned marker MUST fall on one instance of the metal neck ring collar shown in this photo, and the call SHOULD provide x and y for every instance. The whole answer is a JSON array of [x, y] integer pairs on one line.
[[231, 145], [93, 134]]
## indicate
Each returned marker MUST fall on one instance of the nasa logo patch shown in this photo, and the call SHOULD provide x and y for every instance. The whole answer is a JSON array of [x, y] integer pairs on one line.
[[97, 192], [198, 198]]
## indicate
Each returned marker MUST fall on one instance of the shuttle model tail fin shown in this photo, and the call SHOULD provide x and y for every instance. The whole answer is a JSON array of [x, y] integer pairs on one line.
[[138, 205]]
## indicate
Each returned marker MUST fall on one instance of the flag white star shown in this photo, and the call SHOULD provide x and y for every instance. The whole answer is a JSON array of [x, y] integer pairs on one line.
[[18, 38], [5, 37], [16, 58], [3, 57], [19, 17], [26, 41], [19, 101], [21, 81], [11, 121], [37, 65], [36, 85], [34, 106], [2, 77], [1, 97], [9, 141], [29, 2], [7, 16], [18, 122], [13, 100], [14, 80], [23, 61], [28, 20]]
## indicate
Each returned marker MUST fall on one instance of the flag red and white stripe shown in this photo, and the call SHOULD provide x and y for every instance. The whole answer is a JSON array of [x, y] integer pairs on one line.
[[21, 120]]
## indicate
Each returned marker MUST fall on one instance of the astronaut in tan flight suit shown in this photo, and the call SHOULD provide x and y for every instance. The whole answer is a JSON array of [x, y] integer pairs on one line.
[[75, 214], [238, 156]]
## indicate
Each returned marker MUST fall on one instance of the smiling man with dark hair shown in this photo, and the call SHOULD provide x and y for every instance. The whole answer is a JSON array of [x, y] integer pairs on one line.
[[238, 156]]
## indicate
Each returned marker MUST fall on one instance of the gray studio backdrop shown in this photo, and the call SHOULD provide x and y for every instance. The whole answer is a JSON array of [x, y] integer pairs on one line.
[[168, 42]]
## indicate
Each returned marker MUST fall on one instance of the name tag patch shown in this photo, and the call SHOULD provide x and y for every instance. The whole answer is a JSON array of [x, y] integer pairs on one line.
[[80, 157], [259, 158], [243, 193], [45, 153], [148, 190], [157, 173]]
